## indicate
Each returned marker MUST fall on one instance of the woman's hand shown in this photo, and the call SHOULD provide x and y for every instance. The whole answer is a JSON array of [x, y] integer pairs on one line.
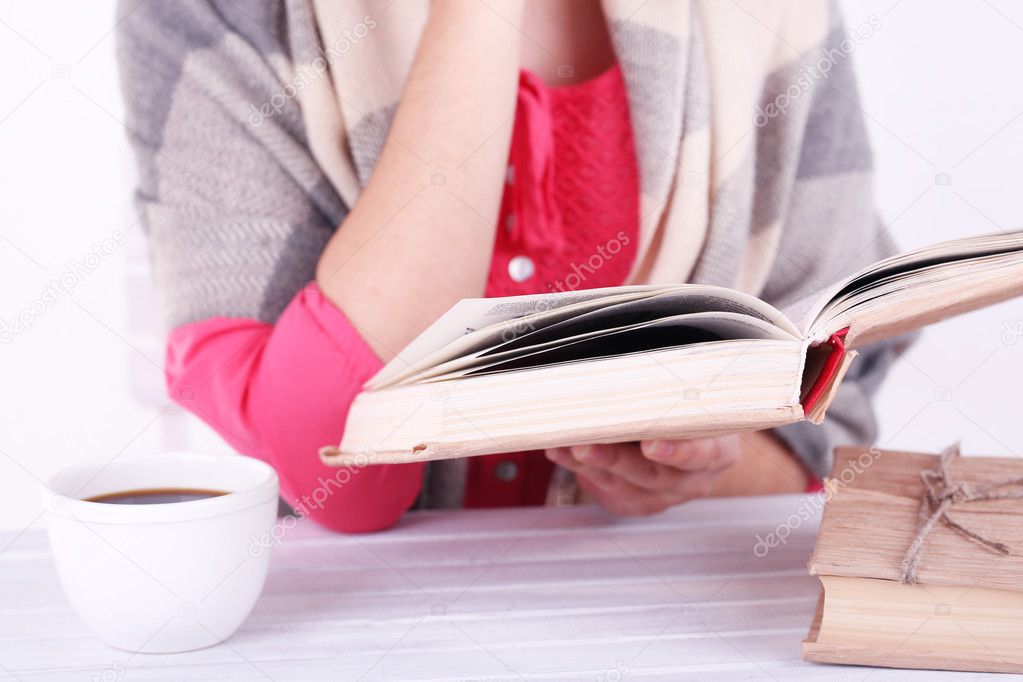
[[636, 479]]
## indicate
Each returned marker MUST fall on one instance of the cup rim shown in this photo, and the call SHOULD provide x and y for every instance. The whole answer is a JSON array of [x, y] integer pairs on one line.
[[265, 489]]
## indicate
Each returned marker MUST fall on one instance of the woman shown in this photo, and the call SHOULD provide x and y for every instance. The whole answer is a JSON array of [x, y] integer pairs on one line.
[[320, 181]]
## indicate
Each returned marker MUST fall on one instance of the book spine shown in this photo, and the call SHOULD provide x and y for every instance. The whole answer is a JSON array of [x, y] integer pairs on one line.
[[831, 366]]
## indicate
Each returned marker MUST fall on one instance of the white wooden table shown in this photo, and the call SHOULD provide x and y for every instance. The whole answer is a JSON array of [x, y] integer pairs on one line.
[[536, 593]]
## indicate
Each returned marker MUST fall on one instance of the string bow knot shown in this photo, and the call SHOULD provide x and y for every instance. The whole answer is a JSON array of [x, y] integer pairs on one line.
[[941, 494]]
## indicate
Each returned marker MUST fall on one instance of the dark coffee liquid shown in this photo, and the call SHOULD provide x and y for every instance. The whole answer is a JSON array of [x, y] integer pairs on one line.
[[156, 496]]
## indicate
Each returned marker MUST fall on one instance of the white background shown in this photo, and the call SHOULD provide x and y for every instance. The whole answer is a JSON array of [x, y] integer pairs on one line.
[[941, 92]]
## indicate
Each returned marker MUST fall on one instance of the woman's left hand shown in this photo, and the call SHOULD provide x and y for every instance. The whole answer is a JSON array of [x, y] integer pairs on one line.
[[636, 479]]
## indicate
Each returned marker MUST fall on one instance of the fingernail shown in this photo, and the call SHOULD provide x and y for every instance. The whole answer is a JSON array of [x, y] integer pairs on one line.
[[657, 449], [582, 452], [556, 454]]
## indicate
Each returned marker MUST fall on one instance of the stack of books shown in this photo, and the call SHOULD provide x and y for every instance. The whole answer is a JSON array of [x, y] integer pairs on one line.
[[921, 562]]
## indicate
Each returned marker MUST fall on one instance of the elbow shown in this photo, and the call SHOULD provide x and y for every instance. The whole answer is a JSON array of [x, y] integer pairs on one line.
[[373, 501]]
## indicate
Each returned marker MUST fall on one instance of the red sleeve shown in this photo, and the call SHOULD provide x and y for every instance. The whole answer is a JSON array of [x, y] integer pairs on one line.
[[279, 393]]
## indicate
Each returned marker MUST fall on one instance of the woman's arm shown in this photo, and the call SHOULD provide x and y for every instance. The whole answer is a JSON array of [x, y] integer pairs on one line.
[[764, 466], [237, 220], [280, 392], [420, 237]]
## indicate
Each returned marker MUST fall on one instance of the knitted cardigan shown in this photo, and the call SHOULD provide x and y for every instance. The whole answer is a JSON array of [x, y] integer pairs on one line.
[[256, 124]]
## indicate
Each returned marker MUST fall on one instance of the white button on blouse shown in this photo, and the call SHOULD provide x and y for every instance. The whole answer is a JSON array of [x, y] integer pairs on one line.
[[521, 268]]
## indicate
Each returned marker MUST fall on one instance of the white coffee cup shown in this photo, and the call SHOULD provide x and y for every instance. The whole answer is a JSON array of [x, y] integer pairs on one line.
[[166, 577]]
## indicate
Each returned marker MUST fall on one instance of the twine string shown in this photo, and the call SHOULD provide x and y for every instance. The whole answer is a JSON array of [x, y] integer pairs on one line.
[[943, 493]]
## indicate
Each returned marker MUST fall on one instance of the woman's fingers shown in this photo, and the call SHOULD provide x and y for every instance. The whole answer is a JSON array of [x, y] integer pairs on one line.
[[624, 499], [563, 457], [610, 491], [699, 454], [621, 469], [619, 496], [619, 459]]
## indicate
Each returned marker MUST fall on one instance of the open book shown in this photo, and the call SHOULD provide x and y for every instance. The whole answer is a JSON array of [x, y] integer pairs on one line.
[[660, 361]]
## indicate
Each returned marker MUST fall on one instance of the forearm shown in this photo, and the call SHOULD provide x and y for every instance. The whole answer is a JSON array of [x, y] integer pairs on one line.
[[765, 466], [437, 185]]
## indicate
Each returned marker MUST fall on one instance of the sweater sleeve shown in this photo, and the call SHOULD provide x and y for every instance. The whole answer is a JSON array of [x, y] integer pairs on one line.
[[280, 392], [236, 213]]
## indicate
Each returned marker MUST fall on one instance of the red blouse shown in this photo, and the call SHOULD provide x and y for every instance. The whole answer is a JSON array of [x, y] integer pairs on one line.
[[568, 220]]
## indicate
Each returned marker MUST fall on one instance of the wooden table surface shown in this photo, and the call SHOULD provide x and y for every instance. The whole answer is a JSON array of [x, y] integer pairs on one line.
[[539, 593]]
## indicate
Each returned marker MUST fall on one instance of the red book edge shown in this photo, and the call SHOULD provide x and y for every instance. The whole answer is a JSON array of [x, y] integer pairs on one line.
[[831, 365]]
